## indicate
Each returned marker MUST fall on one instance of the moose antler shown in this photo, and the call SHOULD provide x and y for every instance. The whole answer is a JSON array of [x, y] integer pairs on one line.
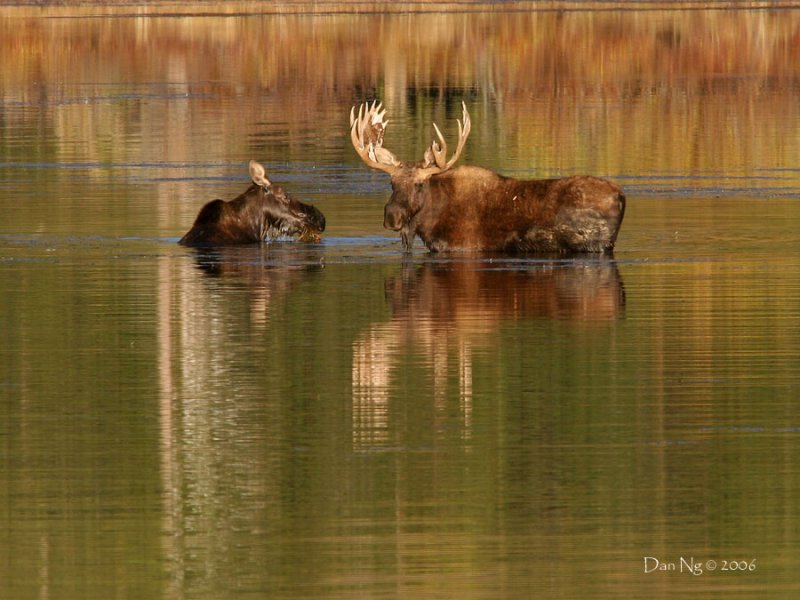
[[366, 133], [439, 149], [368, 127]]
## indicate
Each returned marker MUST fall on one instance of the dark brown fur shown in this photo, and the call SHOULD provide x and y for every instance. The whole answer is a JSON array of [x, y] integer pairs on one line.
[[263, 211]]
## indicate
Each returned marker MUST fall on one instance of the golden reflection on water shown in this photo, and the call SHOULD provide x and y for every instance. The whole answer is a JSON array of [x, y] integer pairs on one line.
[[613, 93]]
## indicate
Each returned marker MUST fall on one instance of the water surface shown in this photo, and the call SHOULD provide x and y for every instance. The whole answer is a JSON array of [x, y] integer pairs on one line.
[[344, 420]]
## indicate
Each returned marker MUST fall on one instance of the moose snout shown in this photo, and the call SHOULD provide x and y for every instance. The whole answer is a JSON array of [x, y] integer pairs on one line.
[[315, 218], [394, 217]]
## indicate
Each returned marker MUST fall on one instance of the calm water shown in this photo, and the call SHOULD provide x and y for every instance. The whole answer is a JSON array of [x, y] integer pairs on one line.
[[341, 420]]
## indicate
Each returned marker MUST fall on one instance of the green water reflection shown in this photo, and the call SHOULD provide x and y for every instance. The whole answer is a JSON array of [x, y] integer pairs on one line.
[[185, 425]]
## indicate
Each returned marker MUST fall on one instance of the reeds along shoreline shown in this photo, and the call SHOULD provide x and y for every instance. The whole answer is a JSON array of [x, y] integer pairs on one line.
[[666, 68], [328, 7], [512, 51]]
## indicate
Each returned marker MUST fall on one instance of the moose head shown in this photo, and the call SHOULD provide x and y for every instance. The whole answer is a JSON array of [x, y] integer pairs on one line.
[[264, 211], [410, 180]]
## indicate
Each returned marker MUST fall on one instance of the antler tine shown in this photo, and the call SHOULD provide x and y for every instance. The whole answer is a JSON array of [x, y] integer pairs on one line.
[[439, 148], [366, 134], [374, 123], [463, 133], [357, 126]]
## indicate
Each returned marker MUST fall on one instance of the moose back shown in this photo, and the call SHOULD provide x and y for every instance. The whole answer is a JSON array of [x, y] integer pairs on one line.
[[474, 209]]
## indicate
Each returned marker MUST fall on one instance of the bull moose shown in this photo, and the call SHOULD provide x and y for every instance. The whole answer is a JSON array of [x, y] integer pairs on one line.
[[263, 211], [471, 208]]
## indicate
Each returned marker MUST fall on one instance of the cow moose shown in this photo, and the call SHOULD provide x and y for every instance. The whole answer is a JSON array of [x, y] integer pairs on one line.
[[263, 211], [471, 208]]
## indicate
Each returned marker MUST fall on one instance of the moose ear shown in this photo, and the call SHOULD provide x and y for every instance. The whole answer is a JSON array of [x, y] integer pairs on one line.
[[258, 174]]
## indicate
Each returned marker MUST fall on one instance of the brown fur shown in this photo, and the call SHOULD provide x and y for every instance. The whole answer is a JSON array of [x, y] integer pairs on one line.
[[474, 209]]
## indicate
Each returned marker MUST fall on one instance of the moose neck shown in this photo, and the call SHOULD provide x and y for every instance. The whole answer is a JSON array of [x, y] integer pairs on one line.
[[450, 216]]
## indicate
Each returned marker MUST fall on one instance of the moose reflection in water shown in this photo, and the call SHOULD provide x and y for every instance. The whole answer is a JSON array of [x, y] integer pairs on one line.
[[264, 273], [445, 311], [263, 211], [474, 209]]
